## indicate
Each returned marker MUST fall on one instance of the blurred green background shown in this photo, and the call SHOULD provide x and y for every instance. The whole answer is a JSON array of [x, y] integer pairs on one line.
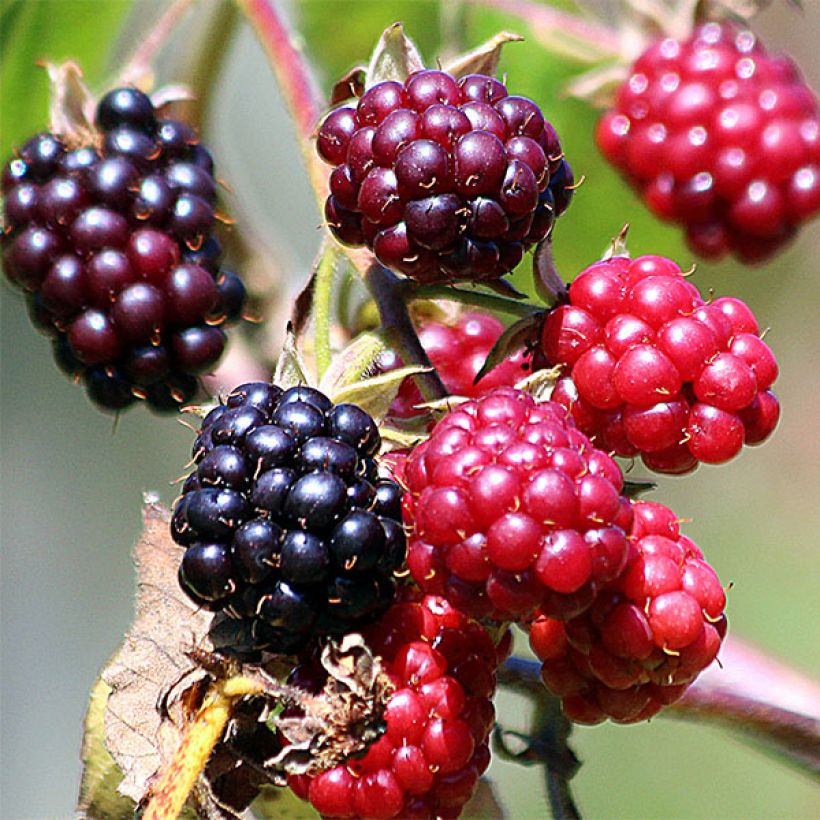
[[72, 480]]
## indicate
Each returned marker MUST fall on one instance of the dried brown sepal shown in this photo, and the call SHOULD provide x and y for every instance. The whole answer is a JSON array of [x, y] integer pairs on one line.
[[483, 59], [71, 106], [349, 86], [344, 718], [395, 57], [517, 336]]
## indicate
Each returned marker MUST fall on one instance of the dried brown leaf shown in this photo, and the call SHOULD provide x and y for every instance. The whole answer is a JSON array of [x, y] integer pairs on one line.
[[152, 660]]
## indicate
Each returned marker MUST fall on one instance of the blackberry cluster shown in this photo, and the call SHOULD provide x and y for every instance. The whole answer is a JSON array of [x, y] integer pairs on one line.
[[510, 508], [437, 723], [647, 636], [457, 351], [287, 526], [113, 244], [651, 369], [720, 136], [442, 178]]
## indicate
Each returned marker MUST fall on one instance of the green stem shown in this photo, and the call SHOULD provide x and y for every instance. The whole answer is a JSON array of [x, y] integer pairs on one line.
[[385, 288], [322, 297], [487, 301]]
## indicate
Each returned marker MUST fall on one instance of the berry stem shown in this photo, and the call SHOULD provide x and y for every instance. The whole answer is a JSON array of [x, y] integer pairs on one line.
[[548, 744], [385, 287], [295, 79], [199, 738], [322, 295], [548, 281], [487, 301], [769, 703]]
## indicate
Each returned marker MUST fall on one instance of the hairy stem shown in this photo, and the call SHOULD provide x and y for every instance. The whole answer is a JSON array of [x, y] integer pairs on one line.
[[322, 296], [765, 701], [385, 287], [488, 301]]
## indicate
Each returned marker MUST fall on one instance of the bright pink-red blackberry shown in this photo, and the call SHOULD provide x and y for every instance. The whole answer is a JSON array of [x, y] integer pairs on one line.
[[651, 369], [648, 635], [458, 352], [287, 526], [434, 747], [509, 508], [113, 244], [443, 178], [720, 136]]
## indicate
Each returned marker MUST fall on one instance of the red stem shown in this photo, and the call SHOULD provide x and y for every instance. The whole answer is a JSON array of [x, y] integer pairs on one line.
[[295, 79]]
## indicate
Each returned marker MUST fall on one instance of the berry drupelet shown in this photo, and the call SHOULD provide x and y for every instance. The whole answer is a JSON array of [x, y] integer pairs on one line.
[[435, 744], [287, 525], [647, 636], [721, 137], [510, 508], [443, 178], [458, 352], [113, 245], [651, 369]]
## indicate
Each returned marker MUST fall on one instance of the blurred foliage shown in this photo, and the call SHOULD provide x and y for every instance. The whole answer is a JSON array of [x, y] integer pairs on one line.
[[30, 32]]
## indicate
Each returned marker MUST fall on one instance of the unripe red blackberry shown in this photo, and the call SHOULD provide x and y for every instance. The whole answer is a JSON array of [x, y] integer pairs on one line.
[[458, 352], [435, 746], [287, 525], [720, 136], [651, 369], [648, 635], [442, 178], [114, 242], [509, 508]]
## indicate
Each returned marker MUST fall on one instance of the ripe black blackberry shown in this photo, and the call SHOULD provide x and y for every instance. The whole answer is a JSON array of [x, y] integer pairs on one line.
[[287, 526], [113, 244], [443, 178]]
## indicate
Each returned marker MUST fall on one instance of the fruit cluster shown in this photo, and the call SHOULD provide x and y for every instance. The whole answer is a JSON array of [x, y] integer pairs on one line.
[[647, 636], [437, 721], [443, 179], [720, 136], [287, 526], [509, 508], [650, 368], [113, 244], [458, 352]]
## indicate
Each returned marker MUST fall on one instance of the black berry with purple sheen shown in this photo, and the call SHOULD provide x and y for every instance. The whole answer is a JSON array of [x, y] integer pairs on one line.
[[286, 525]]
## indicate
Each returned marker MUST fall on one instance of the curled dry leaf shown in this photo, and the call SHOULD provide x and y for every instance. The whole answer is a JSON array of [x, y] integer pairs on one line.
[[518, 335], [151, 661]]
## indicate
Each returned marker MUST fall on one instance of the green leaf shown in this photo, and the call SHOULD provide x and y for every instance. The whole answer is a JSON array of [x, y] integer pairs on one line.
[[376, 395], [280, 804], [53, 30], [510, 341], [353, 363], [99, 797]]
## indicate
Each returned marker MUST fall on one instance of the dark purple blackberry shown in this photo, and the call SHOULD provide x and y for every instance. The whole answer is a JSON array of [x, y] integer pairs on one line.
[[116, 247], [442, 178], [286, 509]]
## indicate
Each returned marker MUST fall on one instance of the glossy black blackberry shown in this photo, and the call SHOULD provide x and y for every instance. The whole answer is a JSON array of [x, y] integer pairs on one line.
[[287, 526], [114, 246], [443, 179]]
